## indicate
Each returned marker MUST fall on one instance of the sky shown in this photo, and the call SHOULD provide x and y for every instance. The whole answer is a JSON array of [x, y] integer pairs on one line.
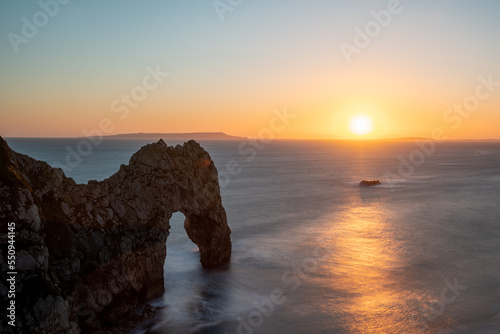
[[71, 67]]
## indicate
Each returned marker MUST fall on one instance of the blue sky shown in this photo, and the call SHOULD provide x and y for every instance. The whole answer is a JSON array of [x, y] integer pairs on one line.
[[262, 56]]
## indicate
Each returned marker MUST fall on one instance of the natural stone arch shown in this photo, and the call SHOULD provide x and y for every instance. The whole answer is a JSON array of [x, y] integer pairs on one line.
[[181, 179], [98, 249]]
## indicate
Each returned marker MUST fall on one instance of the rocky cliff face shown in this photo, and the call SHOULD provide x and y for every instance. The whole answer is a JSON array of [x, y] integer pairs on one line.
[[89, 255]]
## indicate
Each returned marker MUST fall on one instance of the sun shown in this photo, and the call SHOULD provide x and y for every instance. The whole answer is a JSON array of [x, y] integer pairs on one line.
[[361, 125]]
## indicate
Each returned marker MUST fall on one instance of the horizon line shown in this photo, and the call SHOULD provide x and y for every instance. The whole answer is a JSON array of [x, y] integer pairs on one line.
[[246, 138]]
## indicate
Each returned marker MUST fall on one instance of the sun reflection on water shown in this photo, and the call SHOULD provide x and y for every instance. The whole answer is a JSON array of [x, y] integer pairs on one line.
[[364, 267]]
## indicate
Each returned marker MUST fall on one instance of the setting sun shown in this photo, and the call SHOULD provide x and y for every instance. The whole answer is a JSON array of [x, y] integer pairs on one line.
[[361, 125]]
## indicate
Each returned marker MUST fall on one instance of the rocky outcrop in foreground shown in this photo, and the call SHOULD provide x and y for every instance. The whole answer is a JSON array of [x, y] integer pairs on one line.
[[89, 255]]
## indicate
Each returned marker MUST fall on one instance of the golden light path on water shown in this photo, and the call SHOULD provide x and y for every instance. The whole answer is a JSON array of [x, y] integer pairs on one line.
[[365, 267], [365, 250]]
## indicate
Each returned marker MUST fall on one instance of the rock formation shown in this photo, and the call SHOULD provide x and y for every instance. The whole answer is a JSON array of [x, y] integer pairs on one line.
[[369, 183], [89, 255]]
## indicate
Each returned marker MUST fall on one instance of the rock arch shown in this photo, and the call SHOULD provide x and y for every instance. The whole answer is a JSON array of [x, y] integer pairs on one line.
[[96, 251]]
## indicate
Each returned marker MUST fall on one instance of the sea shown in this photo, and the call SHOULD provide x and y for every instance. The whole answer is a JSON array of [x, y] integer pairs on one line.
[[315, 253]]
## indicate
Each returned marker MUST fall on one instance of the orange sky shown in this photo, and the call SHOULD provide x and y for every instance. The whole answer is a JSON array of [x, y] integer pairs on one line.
[[230, 75]]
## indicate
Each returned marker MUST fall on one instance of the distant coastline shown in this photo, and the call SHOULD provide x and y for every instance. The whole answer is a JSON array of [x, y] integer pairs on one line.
[[190, 135], [446, 140]]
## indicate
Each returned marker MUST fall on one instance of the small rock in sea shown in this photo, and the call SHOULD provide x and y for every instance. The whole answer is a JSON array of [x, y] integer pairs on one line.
[[369, 183]]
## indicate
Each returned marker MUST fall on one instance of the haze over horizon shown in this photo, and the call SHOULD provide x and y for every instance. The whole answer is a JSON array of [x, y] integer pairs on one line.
[[430, 65], [226, 136]]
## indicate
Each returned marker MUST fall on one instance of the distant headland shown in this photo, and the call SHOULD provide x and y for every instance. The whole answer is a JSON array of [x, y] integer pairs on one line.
[[190, 135]]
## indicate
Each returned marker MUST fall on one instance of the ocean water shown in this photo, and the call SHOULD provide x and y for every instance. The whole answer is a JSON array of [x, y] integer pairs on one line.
[[314, 253]]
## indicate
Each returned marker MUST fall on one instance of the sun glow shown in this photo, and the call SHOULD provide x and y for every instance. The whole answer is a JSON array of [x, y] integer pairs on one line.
[[361, 125]]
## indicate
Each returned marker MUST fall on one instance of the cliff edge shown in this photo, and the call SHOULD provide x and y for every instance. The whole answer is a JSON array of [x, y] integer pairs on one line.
[[88, 255]]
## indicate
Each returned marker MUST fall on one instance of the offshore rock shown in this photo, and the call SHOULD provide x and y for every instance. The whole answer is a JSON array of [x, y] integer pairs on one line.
[[369, 183], [89, 255]]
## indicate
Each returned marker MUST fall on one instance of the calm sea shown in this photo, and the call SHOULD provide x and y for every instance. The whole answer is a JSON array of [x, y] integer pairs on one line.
[[314, 253]]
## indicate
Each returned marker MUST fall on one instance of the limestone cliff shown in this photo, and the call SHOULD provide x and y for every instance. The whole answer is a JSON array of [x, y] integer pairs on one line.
[[89, 255]]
